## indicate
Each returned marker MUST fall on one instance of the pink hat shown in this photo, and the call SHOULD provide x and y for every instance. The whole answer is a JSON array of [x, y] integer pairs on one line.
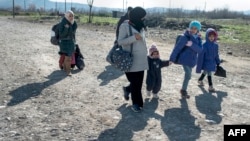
[[152, 49]]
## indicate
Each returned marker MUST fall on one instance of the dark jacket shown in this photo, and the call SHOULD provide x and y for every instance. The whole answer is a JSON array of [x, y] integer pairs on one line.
[[208, 59], [188, 56], [154, 77], [67, 37]]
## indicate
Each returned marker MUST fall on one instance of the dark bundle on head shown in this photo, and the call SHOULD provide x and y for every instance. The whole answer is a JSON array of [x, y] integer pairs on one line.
[[136, 18]]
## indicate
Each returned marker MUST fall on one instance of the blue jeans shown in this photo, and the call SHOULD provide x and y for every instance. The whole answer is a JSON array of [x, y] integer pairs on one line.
[[187, 77]]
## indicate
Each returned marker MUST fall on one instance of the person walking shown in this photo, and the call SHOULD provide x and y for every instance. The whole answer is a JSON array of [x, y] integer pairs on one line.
[[185, 53], [140, 63], [67, 30], [208, 59]]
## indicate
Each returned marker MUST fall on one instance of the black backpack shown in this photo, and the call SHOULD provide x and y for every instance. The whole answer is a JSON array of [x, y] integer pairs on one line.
[[55, 34], [176, 41]]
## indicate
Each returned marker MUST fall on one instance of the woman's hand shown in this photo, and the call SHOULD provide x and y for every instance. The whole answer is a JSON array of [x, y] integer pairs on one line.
[[189, 44], [138, 36]]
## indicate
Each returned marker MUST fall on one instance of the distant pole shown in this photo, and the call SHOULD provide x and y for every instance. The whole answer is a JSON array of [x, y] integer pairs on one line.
[[126, 3], [65, 6], [24, 5], [123, 5], [71, 5], [56, 6], [13, 9], [44, 5]]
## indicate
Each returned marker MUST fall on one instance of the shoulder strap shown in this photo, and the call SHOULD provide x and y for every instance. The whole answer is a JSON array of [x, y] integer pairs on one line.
[[130, 32]]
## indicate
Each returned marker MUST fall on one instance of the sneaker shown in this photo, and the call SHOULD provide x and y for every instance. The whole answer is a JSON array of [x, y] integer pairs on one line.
[[211, 89], [136, 108], [155, 96], [184, 94], [148, 93], [200, 83], [126, 94]]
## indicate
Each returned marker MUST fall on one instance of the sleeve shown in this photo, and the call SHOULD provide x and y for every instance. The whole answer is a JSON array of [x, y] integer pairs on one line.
[[178, 47], [123, 38], [63, 31], [200, 61], [217, 57], [197, 47], [164, 63]]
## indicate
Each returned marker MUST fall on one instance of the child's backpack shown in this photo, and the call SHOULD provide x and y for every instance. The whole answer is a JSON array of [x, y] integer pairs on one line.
[[55, 34], [176, 41]]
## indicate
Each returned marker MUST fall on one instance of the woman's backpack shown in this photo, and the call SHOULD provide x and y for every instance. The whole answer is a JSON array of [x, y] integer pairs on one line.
[[54, 39]]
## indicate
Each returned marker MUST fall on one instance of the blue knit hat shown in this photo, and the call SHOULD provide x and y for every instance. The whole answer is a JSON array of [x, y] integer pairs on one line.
[[196, 24]]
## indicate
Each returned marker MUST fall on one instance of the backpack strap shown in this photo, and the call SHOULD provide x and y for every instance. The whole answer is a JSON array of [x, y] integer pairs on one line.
[[130, 32]]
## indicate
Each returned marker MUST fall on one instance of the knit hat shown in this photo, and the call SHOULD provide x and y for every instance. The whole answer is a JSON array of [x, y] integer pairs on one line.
[[196, 24], [153, 49]]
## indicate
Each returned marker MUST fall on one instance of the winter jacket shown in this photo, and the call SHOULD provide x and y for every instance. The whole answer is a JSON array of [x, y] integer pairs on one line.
[[154, 77], [208, 59], [187, 56], [67, 37], [140, 61], [122, 19]]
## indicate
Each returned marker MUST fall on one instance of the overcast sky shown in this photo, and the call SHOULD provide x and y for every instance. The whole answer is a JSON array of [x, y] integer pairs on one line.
[[236, 5]]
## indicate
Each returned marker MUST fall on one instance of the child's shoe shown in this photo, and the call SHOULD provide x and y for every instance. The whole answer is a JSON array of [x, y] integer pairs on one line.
[[155, 96], [148, 93], [200, 83], [211, 89], [184, 94]]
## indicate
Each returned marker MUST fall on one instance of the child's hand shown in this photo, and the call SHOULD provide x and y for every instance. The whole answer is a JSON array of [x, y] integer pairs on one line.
[[170, 63], [189, 44]]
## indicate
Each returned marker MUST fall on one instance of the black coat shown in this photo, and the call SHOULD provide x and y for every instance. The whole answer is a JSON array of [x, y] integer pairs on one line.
[[154, 77]]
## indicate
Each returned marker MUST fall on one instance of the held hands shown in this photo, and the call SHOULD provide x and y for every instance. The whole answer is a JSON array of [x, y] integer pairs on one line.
[[189, 44], [138, 36]]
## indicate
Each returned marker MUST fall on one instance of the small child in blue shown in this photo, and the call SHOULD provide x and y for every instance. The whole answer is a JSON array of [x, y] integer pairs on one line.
[[208, 59], [155, 64]]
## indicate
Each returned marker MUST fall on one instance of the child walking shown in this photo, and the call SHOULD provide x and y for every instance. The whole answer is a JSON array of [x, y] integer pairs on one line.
[[208, 59], [155, 64], [185, 53]]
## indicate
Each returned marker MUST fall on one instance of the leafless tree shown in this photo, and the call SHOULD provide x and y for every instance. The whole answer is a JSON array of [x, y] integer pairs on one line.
[[90, 3]]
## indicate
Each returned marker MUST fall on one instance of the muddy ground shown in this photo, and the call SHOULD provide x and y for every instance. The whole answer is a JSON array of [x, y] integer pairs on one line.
[[38, 103]]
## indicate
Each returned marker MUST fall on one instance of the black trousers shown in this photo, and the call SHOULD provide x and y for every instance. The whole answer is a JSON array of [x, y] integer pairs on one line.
[[135, 87]]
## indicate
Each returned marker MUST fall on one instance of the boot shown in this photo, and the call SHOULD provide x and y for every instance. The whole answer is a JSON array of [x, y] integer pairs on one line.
[[200, 82], [67, 65]]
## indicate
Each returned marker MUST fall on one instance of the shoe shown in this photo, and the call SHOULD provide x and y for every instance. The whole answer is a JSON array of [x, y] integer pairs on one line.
[[148, 93], [184, 94], [136, 108], [126, 94], [211, 89], [200, 83], [155, 96]]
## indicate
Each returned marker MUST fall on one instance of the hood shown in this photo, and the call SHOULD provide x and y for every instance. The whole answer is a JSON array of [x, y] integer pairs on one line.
[[209, 30]]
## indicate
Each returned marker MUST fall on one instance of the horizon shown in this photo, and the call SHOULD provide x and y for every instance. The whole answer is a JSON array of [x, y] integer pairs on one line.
[[232, 5]]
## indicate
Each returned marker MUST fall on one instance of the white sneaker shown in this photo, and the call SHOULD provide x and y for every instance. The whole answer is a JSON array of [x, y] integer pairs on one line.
[[148, 93], [155, 96]]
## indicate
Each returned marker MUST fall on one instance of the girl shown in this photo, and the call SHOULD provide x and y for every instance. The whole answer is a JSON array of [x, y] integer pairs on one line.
[[140, 63], [208, 59], [154, 79], [186, 50]]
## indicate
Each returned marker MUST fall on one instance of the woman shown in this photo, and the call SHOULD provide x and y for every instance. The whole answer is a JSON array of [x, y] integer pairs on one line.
[[140, 62], [187, 48], [67, 30]]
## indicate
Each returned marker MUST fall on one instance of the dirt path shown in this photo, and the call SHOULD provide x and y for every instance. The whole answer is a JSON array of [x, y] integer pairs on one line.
[[38, 103]]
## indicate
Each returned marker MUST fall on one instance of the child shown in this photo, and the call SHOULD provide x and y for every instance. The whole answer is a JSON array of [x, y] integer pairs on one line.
[[185, 53], [208, 59], [155, 64]]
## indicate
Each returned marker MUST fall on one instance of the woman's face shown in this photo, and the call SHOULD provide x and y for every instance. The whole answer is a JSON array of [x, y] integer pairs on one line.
[[71, 17], [193, 30]]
